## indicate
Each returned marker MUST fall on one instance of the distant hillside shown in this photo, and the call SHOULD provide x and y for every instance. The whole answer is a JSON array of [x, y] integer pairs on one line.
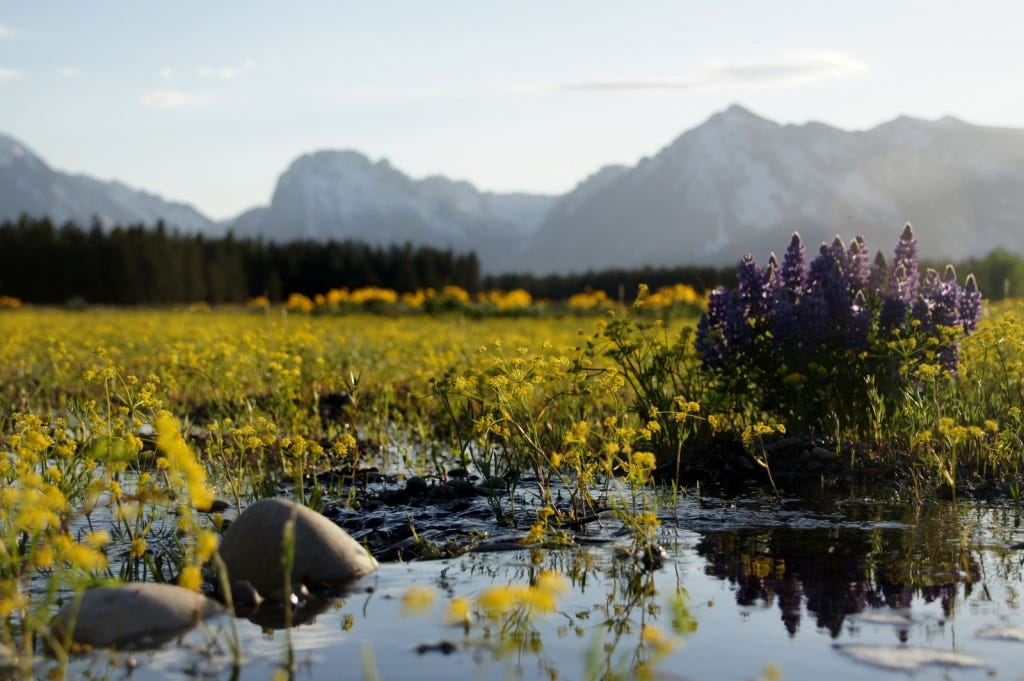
[[29, 186]]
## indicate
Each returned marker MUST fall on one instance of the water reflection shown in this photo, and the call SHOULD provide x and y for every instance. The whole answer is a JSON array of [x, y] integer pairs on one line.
[[621, 618], [878, 556], [861, 572]]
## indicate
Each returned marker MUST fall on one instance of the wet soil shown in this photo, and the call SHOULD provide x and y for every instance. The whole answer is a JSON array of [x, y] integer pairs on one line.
[[404, 518]]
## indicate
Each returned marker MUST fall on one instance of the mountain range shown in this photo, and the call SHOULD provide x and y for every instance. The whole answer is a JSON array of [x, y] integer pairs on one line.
[[736, 183], [29, 186]]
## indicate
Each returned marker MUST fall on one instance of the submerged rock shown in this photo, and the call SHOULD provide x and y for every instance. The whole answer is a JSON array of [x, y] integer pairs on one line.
[[325, 555], [133, 616]]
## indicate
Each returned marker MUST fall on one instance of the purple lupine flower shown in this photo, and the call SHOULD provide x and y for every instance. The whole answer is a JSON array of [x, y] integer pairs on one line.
[[838, 250], [792, 276], [970, 305], [906, 256], [859, 326], [750, 285], [938, 304], [858, 263], [815, 316], [878, 280], [795, 314], [708, 342], [786, 329], [921, 311], [718, 303], [737, 334], [894, 303], [946, 299], [893, 314], [827, 272], [899, 286], [820, 267], [938, 300], [709, 337], [948, 356], [770, 279], [922, 307], [838, 291]]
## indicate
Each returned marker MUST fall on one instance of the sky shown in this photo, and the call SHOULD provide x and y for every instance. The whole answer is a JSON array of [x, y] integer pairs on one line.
[[209, 102]]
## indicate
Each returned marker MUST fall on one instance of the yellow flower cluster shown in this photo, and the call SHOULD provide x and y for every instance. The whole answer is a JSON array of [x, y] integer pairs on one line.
[[515, 299], [589, 300], [958, 434], [679, 294], [539, 597], [299, 303], [758, 431], [184, 470]]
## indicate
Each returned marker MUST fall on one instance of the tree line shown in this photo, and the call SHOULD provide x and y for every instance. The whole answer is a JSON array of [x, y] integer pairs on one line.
[[46, 264], [136, 265]]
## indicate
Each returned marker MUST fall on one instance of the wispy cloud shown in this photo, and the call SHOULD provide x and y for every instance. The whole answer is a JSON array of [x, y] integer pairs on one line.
[[171, 99], [227, 72], [793, 69], [68, 72], [9, 74], [6, 31]]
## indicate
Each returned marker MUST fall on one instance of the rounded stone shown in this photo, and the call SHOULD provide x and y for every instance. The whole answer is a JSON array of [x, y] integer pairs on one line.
[[133, 616], [416, 485], [495, 483], [822, 454], [325, 555], [442, 492]]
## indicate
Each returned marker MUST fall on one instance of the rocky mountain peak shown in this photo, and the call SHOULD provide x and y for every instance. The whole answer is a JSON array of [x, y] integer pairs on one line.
[[736, 183]]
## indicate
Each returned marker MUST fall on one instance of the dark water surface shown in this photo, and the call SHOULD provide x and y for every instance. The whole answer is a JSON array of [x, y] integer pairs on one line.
[[836, 589]]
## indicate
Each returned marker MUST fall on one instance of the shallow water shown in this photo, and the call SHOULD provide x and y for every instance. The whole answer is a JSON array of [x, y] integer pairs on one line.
[[806, 588]]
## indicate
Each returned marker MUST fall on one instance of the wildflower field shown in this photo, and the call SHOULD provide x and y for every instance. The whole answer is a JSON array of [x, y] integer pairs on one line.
[[119, 428]]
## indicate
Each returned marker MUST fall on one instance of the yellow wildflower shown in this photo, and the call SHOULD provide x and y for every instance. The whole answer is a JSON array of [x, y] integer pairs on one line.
[[551, 582], [656, 639], [537, 600], [536, 534], [138, 547], [498, 600], [77, 555], [43, 556], [417, 599], [183, 468], [645, 461], [459, 612], [206, 544], [190, 578], [97, 539]]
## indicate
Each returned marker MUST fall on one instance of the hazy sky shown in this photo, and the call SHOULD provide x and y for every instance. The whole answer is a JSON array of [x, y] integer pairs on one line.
[[208, 102]]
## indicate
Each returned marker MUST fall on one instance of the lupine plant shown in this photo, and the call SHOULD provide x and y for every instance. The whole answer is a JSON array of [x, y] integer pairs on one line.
[[823, 345]]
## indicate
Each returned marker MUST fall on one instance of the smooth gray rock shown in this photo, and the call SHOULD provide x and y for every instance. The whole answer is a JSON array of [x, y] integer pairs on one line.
[[325, 554], [133, 616], [824, 455]]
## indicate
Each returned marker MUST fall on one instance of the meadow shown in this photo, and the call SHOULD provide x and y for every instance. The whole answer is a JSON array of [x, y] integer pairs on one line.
[[120, 428]]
